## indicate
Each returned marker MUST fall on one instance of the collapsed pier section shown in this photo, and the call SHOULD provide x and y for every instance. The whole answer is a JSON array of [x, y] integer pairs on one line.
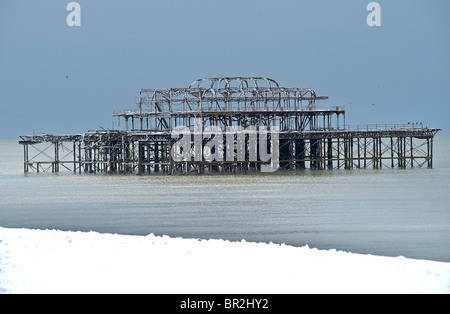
[[307, 137]]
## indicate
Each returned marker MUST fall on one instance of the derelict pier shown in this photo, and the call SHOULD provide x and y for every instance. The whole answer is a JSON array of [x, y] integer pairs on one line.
[[207, 112]]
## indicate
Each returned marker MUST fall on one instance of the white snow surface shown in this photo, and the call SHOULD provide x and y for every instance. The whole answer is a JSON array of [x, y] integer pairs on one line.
[[52, 261]]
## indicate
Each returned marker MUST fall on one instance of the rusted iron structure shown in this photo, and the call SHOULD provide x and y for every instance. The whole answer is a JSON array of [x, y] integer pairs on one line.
[[309, 138]]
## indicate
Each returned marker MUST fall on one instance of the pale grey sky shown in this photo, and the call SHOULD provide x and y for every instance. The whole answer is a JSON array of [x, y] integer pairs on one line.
[[401, 67]]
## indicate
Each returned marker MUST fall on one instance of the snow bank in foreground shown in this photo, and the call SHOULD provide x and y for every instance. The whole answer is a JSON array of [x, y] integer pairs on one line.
[[36, 261]]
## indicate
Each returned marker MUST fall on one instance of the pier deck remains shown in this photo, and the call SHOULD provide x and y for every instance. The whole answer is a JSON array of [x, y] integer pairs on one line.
[[309, 138]]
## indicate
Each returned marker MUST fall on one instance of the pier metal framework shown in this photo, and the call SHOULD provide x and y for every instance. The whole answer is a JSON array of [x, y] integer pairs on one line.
[[309, 137]]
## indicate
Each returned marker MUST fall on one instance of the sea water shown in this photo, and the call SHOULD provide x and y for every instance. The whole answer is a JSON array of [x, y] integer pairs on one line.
[[390, 212]]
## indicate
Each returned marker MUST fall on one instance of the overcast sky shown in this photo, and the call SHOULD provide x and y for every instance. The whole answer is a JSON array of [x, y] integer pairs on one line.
[[63, 80]]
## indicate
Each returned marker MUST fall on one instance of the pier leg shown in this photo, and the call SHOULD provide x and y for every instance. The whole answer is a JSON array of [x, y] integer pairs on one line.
[[56, 163], [380, 152], [330, 153], [359, 154], [25, 158], [141, 168], [431, 154], [79, 158], [300, 154], [392, 153]]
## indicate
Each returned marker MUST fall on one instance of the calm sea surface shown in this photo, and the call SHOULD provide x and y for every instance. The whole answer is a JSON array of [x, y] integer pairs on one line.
[[381, 212]]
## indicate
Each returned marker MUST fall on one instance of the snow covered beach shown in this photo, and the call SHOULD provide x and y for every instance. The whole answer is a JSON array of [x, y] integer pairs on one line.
[[51, 261]]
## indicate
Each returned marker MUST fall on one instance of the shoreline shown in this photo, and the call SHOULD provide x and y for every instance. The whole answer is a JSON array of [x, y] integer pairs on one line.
[[53, 261]]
